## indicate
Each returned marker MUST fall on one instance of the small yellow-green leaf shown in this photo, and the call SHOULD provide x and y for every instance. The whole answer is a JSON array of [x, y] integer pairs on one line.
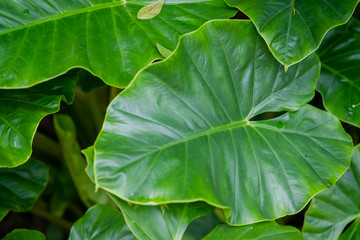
[[163, 51], [150, 11]]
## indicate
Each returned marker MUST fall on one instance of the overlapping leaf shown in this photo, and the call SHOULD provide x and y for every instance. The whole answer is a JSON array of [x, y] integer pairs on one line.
[[182, 131], [101, 222], [263, 231], [167, 221], [332, 210], [20, 187], [294, 28], [21, 111], [24, 234], [339, 81], [42, 40]]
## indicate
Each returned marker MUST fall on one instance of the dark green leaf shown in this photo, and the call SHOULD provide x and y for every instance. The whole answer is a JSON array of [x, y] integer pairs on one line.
[[101, 222], [104, 37], [263, 231], [331, 210], [339, 81], [182, 131], [293, 29], [20, 187], [21, 111], [24, 234]]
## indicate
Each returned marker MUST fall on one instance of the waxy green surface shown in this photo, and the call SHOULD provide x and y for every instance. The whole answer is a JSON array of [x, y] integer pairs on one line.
[[183, 130], [293, 29]]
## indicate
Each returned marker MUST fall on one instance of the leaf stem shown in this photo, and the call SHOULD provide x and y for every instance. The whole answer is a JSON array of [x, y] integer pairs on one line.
[[52, 218]]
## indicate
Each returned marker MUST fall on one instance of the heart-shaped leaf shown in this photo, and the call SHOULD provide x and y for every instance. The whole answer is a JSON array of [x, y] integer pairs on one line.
[[24, 234], [339, 81], [101, 222], [259, 231], [293, 29], [168, 221], [21, 111], [106, 38], [20, 187], [331, 210], [183, 130]]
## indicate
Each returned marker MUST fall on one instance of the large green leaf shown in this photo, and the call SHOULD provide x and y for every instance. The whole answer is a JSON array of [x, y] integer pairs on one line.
[[24, 234], [263, 231], [331, 210], [20, 187], [66, 133], [21, 111], [168, 221], [339, 81], [182, 131], [293, 29], [101, 222], [44, 39]]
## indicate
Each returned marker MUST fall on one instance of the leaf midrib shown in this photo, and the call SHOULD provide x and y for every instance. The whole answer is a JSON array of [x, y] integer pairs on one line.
[[68, 14]]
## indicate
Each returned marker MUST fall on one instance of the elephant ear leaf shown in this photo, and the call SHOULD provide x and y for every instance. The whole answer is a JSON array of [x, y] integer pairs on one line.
[[263, 231], [29, 179], [339, 82], [52, 37], [183, 130], [332, 210], [293, 29], [21, 111]]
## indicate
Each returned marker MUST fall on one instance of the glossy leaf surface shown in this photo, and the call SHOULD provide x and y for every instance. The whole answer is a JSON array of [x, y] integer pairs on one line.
[[182, 131], [20, 187], [24, 234], [21, 111], [167, 221], [101, 222], [294, 28], [263, 231], [40, 41], [331, 210], [339, 81]]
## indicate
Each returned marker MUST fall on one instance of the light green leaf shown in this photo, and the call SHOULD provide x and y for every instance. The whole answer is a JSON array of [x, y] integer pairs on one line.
[[163, 51], [150, 11], [66, 133], [263, 231], [20, 187], [293, 29], [104, 37], [339, 81], [21, 111], [331, 210], [168, 221], [183, 130], [24, 234], [101, 222]]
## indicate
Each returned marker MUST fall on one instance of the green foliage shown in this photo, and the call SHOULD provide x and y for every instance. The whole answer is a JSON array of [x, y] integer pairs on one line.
[[193, 125]]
